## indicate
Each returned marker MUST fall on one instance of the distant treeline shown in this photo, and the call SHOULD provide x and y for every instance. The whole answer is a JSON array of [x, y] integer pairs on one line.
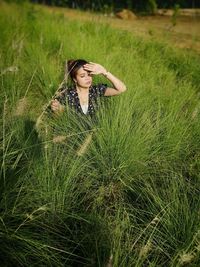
[[111, 5]]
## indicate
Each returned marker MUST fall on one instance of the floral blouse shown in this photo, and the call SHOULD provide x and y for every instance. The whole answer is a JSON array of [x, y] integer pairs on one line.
[[69, 96]]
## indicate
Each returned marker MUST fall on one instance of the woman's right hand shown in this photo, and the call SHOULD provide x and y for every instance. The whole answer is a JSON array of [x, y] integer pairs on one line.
[[56, 106]]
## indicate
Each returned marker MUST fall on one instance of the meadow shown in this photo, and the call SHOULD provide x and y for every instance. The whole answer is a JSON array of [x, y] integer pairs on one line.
[[131, 199]]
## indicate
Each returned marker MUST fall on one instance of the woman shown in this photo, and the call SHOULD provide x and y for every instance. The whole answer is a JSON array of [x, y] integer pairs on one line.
[[83, 95]]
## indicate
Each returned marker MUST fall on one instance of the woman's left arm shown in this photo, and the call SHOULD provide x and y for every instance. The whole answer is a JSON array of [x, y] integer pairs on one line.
[[119, 86]]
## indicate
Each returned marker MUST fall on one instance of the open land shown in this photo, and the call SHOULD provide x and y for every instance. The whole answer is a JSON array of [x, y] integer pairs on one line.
[[184, 34]]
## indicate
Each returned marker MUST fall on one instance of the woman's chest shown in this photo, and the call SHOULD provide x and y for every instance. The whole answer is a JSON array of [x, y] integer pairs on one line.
[[83, 103]]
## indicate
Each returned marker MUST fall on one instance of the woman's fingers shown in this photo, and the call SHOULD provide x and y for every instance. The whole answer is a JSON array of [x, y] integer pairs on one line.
[[55, 102], [55, 105], [88, 66], [94, 68], [91, 66]]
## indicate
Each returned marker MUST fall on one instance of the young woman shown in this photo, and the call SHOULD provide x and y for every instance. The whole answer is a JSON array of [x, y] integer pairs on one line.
[[83, 95]]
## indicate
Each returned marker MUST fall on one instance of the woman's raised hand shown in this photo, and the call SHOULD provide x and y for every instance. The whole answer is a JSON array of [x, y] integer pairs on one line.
[[56, 106], [94, 68]]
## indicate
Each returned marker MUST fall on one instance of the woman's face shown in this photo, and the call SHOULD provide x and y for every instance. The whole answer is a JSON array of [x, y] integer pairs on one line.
[[83, 78]]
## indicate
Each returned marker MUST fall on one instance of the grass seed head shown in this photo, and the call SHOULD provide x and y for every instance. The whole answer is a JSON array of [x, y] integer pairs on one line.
[[145, 249], [21, 107], [10, 69], [186, 258], [59, 139]]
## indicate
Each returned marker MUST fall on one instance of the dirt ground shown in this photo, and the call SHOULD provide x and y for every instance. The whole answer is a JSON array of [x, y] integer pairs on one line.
[[184, 34]]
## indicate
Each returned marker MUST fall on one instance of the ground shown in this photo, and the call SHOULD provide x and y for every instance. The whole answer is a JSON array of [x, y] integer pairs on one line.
[[183, 33]]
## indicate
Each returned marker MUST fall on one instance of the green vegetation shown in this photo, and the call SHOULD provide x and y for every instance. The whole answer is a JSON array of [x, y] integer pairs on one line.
[[133, 196]]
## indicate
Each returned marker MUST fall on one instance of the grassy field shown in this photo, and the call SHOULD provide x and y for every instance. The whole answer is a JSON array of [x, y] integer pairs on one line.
[[180, 31], [132, 198]]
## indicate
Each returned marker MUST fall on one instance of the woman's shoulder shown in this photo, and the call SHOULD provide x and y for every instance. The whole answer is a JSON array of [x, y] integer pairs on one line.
[[65, 91], [62, 93], [71, 90]]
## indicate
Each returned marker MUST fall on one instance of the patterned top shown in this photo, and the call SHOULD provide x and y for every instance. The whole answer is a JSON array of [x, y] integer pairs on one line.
[[70, 96]]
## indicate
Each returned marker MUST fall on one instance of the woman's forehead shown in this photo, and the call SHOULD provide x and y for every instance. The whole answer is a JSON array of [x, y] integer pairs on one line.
[[81, 71]]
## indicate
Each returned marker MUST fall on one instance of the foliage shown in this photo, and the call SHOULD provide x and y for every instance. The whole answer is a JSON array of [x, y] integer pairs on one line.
[[147, 6], [132, 197]]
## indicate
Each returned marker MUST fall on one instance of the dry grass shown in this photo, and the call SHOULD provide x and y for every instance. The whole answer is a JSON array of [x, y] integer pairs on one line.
[[82, 150], [21, 107], [185, 34], [59, 139]]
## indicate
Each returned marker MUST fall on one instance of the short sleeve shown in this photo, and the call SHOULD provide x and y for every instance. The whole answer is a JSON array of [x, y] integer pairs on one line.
[[101, 88]]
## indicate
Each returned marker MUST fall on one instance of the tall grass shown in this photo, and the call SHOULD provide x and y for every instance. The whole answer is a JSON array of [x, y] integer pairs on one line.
[[130, 197]]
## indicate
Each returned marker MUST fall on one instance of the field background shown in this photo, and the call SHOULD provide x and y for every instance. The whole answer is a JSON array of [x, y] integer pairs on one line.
[[132, 197], [182, 31]]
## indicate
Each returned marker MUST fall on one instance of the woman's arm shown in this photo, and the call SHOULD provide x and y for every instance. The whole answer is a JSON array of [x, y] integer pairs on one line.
[[119, 86]]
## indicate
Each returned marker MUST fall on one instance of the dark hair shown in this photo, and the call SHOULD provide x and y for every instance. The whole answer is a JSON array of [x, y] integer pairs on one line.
[[73, 66]]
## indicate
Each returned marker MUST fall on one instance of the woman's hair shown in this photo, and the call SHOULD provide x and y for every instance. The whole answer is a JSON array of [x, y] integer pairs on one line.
[[73, 66]]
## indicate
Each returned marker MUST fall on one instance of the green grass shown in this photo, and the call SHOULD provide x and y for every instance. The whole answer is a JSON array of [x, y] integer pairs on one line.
[[133, 196]]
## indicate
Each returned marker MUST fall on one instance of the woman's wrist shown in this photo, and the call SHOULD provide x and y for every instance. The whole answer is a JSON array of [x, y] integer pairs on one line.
[[105, 73]]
